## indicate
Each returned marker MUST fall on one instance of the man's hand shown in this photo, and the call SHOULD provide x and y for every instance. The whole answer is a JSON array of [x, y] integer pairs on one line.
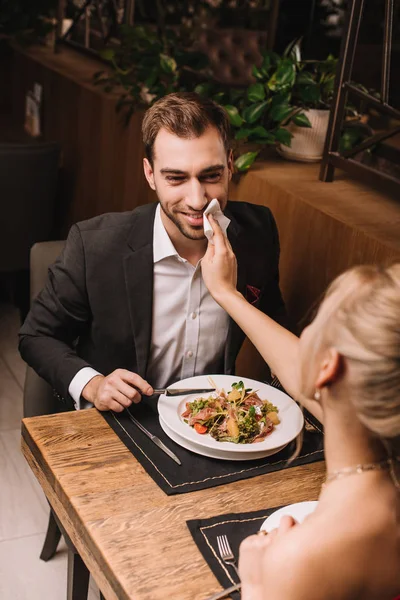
[[219, 266], [117, 391]]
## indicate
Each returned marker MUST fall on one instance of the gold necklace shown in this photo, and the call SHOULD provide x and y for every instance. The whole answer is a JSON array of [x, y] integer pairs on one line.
[[383, 465]]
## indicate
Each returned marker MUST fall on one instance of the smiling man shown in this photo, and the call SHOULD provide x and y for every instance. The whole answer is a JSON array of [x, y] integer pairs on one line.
[[125, 309]]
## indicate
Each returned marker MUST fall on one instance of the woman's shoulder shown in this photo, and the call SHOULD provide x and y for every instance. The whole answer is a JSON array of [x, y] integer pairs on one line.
[[328, 553]]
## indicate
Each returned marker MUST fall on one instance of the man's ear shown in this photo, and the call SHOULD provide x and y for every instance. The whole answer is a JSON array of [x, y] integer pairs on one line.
[[230, 164], [149, 173], [330, 369]]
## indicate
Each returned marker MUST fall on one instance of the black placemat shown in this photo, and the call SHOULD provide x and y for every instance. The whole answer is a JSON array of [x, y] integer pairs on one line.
[[197, 472], [237, 526]]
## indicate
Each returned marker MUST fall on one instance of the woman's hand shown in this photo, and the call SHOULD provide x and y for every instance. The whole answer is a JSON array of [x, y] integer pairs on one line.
[[252, 559], [219, 266]]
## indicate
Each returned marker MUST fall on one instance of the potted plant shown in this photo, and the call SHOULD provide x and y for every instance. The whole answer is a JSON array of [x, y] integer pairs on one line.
[[312, 92], [261, 113], [147, 64]]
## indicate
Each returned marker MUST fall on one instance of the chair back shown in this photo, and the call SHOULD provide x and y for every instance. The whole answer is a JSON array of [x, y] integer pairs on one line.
[[28, 184], [39, 398]]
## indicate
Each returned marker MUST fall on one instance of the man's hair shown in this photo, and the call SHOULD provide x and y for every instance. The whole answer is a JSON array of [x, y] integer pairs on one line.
[[187, 115]]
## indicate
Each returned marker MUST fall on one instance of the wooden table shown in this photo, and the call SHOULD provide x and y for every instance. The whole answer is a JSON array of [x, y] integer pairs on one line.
[[131, 535]]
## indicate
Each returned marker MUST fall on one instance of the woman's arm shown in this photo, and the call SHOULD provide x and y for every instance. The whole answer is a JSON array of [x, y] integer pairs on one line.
[[277, 345]]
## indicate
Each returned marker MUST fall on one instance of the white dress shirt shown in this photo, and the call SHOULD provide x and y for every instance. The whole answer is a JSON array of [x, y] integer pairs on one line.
[[189, 329]]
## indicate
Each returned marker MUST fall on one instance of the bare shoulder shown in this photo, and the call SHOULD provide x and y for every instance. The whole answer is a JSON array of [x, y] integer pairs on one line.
[[293, 566], [326, 557]]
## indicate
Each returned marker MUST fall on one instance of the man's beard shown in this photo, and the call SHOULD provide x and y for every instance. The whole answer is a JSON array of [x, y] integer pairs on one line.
[[190, 232]]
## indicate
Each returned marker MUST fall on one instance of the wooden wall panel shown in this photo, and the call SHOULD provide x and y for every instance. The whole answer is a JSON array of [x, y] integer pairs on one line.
[[102, 158], [325, 228]]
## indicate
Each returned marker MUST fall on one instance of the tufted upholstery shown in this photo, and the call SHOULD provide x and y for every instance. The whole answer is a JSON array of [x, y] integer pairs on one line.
[[232, 53]]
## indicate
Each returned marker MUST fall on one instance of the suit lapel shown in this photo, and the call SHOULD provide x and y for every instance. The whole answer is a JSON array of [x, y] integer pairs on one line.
[[138, 270], [235, 334]]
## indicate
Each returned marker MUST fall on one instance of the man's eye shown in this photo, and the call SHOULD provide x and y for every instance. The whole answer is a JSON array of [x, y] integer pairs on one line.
[[212, 177], [173, 179]]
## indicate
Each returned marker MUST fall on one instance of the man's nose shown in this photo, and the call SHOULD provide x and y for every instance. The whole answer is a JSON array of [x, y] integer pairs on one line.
[[197, 198]]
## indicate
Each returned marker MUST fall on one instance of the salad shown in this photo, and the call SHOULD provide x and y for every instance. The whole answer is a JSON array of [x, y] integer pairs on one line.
[[238, 416]]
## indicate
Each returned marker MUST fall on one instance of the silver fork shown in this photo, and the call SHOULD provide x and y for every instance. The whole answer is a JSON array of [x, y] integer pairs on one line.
[[226, 553], [275, 383]]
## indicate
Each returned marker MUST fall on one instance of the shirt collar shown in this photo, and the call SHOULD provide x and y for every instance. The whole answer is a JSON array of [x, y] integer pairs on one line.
[[162, 245]]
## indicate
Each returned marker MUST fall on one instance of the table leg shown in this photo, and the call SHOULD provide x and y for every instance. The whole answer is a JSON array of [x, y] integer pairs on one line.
[[53, 536], [78, 577]]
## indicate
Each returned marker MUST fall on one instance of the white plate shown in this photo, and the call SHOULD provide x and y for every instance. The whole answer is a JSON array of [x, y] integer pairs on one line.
[[171, 408], [298, 511], [211, 453]]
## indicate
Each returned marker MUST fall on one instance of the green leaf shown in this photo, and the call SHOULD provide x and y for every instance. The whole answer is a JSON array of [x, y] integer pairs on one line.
[[151, 79], [257, 73], [293, 50], [284, 77], [310, 94], [352, 136], [301, 120], [327, 88], [266, 65], [281, 98], [305, 78], [270, 57], [235, 95], [203, 89], [167, 63], [244, 162], [264, 141], [252, 113], [107, 54], [220, 98], [256, 92], [242, 133], [280, 112], [233, 113], [283, 136], [258, 132]]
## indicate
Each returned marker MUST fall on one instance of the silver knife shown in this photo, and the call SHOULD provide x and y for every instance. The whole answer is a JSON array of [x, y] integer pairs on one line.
[[226, 592], [154, 439], [183, 391]]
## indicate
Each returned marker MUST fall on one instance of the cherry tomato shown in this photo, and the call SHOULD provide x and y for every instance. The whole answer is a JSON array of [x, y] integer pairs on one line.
[[200, 428]]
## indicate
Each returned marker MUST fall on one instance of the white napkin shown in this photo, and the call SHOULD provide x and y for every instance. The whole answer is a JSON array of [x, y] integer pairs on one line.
[[215, 210]]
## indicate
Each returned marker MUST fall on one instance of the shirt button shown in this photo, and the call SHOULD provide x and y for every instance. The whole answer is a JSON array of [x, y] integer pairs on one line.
[[193, 315], [189, 354]]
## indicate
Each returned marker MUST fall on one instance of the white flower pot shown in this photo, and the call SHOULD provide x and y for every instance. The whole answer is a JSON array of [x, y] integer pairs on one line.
[[307, 143]]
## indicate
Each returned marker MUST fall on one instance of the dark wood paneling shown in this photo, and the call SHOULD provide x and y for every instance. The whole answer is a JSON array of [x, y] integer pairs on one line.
[[102, 158], [324, 228]]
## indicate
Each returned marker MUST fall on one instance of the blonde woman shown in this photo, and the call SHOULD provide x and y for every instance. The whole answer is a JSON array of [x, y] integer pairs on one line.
[[345, 368]]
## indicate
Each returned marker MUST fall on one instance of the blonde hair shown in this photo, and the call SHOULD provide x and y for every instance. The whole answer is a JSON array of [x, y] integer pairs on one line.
[[363, 325]]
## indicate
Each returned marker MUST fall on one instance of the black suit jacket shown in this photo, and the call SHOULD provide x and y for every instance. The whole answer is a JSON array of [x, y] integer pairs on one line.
[[96, 308]]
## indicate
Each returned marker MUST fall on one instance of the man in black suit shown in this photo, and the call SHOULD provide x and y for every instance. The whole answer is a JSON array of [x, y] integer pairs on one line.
[[125, 308]]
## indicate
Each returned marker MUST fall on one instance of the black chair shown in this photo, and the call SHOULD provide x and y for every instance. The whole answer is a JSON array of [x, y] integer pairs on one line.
[[28, 186], [39, 399]]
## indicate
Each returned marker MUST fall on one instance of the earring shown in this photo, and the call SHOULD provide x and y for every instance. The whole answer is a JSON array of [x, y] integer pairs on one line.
[[317, 395]]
